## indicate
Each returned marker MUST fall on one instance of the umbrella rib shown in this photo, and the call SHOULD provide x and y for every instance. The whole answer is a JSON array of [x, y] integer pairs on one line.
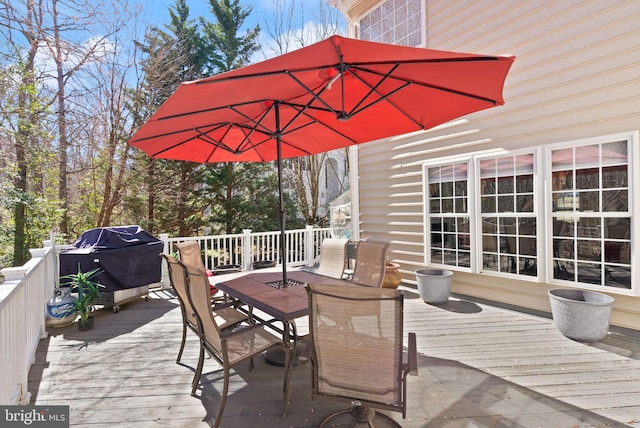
[[173, 146], [315, 120], [215, 143], [257, 123], [179, 131], [373, 89], [385, 98], [351, 64], [426, 85], [314, 95], [208, 110]]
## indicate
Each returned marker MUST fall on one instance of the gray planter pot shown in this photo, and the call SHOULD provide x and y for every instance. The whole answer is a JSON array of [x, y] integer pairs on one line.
[[580, 314], [434, 285]]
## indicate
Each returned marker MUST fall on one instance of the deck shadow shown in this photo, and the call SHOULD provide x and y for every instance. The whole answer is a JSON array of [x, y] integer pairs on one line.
[[458, 306], [450, 394], [445, 394], [108, 324]]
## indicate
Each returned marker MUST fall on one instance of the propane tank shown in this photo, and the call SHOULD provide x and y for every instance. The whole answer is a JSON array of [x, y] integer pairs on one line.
[[60, 309]]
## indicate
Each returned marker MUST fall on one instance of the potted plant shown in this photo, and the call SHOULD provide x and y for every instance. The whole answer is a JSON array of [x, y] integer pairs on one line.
[[87, 290]]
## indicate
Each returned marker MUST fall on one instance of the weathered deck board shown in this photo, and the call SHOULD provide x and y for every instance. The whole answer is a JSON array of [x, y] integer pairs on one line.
[[480, 366]]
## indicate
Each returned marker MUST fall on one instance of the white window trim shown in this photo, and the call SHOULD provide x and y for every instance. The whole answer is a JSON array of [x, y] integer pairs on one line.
[[538, 209], [471, 211], [543, 210], [423, 22], [634, 207]]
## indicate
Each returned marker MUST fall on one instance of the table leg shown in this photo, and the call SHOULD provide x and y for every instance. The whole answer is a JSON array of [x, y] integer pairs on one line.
[[275, 356]]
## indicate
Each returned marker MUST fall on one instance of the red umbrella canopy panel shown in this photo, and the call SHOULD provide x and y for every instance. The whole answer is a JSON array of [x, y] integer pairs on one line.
[[332, 94]]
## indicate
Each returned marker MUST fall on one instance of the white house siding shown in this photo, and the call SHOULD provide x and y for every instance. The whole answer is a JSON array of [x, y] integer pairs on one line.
[[576, 76]]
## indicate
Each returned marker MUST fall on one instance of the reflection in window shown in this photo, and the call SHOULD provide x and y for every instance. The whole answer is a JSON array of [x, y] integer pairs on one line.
[[591, 219], [509, 235], [450, 239], [395, 21]]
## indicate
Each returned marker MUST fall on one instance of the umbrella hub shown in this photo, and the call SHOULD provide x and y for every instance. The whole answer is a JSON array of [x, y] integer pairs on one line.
[[343, 116]]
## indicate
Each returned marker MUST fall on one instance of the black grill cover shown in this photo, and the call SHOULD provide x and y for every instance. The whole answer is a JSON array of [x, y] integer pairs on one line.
[[128, 256]]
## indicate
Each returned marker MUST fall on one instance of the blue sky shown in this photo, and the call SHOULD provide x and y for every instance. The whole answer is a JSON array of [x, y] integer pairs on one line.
[[158, 9], [263, 11]]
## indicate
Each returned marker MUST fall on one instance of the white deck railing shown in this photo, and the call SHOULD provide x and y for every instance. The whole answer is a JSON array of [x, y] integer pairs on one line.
[[23, 298], [27, 289], [243, 249]]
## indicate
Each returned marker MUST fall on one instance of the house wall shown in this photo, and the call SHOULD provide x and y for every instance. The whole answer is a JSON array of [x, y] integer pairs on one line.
[[576, 75]]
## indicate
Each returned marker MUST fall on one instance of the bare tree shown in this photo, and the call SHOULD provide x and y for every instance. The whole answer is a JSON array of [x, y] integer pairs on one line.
[[113, 102], [304, 175], [74, 17], [27, 22]]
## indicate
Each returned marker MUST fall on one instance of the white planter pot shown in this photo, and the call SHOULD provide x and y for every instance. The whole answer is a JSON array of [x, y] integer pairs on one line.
[[580, 314], [434, 285]]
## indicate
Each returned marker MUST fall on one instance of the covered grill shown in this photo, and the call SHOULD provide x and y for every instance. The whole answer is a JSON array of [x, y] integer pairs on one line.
[[128, 256]]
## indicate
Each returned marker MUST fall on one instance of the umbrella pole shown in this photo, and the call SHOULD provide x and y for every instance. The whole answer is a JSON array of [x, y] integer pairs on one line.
[[282, 215]]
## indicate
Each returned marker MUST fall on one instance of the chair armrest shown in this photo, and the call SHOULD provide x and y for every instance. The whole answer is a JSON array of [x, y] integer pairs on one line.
[[412, 364], [241, 329], [233, 304]]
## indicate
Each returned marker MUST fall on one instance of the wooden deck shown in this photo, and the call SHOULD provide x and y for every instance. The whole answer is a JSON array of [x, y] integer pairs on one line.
[[480, 366]]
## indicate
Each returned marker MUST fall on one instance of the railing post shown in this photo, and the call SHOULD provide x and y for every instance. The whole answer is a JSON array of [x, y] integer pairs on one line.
[[46, 281], [247, 249], [164, 237], [309, 245]]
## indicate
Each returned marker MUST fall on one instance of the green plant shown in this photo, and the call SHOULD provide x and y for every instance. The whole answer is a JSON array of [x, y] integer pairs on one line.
[[88, 291]]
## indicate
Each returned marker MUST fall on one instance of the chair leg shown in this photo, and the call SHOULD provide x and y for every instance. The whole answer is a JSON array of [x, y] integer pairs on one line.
[[223, 398], [184, 338], [288, 363], [198, 374]]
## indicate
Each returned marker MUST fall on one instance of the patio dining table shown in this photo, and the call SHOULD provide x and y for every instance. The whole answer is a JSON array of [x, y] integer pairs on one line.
[[262, 291]]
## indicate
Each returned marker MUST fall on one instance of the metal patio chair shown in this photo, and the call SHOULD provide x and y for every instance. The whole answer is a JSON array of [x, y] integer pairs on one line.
[[357, 352], [191, 256], [225, 315], [230, 348], [332, 257], [370, 263]]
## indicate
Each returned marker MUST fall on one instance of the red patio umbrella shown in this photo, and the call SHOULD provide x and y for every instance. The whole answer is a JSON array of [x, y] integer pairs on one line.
[[329, 95]]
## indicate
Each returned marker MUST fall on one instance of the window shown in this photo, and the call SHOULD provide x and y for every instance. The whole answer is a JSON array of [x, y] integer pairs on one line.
[[508, 217], [398, 22], [449, 222], [591, 229], [560, 213]]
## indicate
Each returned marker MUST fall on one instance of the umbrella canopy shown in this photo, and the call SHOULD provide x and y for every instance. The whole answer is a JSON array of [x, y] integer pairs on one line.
[[332, 94]]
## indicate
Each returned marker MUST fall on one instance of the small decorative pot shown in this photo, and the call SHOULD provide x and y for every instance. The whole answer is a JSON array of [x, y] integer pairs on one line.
[[392, 277], [434, 285], [580, 314], [85, 326]]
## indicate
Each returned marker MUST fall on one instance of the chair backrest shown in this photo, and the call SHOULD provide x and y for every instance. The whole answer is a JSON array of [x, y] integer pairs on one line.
[[332, 257], [370, 263], [198, 293], [190, 254], [178, 279], [357, 352]]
